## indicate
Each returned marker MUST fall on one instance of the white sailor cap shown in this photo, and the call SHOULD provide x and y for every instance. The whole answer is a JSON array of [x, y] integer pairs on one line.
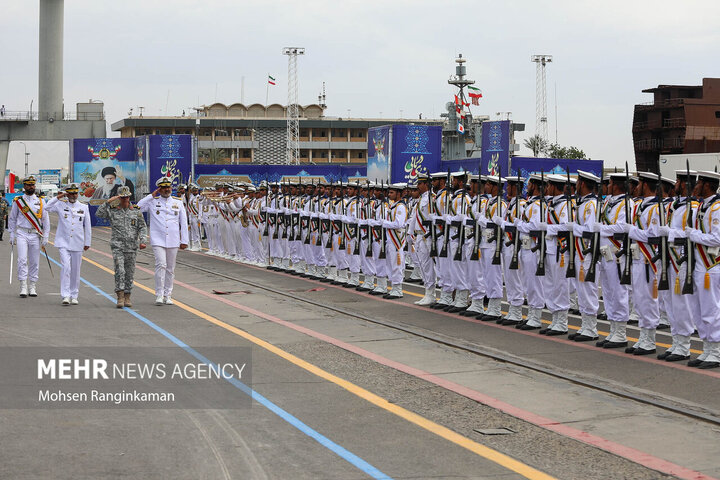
[[708, 175], [460, 173], [618, 176], [514, 179], [473, 177], [482, 178], [411, 187], [684, 173], [397, 186], [668, 180], [588, 176], [438, 175], [555, 178], [653, 177], [251, 189], [536, 177], [494, 179]]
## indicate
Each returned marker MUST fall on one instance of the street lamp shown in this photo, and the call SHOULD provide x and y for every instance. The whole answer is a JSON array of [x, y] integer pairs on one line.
[[26, 158]]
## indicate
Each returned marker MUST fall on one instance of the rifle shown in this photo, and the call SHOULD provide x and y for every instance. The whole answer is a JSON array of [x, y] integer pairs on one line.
[[475, 255], [514, 264], [689, 257], [570, 273], [663, 253], [276, 215], [446, 229], [330, 223], [382, 229], [541, 246], [432, 210], [594, 248], [341, 242], [626, 276], [497, 255], [266, 216], [370, 216], [356, 226], [460, 229]]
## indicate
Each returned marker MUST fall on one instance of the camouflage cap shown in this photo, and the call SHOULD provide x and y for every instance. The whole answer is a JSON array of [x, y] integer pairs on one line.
[[124, 191]]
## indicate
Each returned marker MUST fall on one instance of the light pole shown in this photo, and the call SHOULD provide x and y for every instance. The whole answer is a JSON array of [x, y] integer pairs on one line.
[[26, 158]]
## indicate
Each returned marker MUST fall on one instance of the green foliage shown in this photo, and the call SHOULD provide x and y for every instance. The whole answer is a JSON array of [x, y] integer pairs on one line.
[[557, 151], [537, 144]]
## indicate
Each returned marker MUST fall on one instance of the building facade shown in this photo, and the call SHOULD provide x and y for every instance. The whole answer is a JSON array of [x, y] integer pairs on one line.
[[680, 119], [236, 134]]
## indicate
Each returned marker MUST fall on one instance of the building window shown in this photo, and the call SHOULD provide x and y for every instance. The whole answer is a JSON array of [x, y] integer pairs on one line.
[[717, 114]]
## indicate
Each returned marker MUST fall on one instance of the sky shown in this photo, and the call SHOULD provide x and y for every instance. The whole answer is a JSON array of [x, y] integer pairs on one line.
[[378, 59]]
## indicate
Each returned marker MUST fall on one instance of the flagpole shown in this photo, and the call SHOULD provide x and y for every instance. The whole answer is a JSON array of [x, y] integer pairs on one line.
[[267, 90]]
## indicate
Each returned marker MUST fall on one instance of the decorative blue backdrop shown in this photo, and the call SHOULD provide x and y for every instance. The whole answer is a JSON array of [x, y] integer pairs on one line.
[[378, 164], [208, 175], [416, 149]]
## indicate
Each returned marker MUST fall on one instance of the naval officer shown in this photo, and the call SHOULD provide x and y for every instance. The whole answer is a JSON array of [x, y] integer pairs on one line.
[[29, 226], [168, 232], [72, 238]]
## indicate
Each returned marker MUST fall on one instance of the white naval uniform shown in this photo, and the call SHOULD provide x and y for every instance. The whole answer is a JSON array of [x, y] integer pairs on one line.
[[644, 274], [555, 283], [74, 233], [395, 242], [513, 278], [168, 230], [419, 226], [27, 238]]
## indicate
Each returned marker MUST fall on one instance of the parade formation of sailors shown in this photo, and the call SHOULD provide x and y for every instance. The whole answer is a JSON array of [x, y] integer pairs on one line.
[[647, 245]]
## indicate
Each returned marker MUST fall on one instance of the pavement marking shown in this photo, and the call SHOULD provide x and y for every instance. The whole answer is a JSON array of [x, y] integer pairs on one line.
[[444, 432], [289, 418]]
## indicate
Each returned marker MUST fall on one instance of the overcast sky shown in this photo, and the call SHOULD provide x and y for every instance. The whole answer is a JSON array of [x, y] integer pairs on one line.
[[377, 58]]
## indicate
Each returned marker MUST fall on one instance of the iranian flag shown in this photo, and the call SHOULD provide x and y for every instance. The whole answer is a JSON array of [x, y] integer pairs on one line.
[[271, 80], [475, 95]]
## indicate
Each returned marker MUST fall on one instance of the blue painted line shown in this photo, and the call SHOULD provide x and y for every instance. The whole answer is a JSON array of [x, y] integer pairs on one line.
[[289, 418]]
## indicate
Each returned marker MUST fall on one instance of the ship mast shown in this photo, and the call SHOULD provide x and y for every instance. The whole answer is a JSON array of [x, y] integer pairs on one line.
[[453, 141]]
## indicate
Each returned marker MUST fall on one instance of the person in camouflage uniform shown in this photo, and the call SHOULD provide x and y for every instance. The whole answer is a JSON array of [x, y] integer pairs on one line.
[[128, 234], [4, 210]]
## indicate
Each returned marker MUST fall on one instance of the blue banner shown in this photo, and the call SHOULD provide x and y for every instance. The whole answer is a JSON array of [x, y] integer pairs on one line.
[[416, 151], [495, 147], [526, 166], [378, 164], [208, 175], [169, 156]]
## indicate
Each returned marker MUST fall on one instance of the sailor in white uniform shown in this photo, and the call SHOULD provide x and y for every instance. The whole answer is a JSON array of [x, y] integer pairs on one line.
[[72, 238], [168, 232], [29, 226]]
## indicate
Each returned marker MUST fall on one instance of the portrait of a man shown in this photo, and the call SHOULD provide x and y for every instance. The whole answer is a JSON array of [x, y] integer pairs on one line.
[[112, 180]]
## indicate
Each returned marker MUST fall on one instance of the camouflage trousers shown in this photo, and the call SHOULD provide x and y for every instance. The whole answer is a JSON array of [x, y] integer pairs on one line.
[[124, 269]]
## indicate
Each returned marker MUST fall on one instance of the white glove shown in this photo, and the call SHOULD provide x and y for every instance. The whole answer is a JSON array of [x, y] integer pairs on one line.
[[44, 241], [12, 240], [595, 227], [626, 227], [662, 230], [542, 226], [497, 220]]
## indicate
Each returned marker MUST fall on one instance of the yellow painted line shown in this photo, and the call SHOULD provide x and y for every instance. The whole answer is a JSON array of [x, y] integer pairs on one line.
[[422, 422]]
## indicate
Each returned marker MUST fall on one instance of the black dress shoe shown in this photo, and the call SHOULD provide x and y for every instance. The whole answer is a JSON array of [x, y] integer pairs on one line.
[[662, 326], [572, 336], [349, 285], [325, 280], [448, 307], [526, 327], [335, 282], [362, 289], [509, 322], [601, 343], [304, 275], [487, 318], [695, 362], [602, 316], [454, 309], [614, 344], [543, 331], [575, 311], [500, 320], [664, 355], [438, 306], [555, 333], [632, 322], [708, 365], [521, 324], [630, 350], [583, 338], [469, 313], [642, 351], [676, 358], [375, 292]]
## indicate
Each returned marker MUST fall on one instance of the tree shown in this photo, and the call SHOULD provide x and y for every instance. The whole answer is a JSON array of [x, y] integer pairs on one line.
[[557, 151], [537, 144]]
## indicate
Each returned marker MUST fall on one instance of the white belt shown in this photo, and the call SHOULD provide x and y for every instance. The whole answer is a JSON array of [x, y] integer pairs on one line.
[[28, 230]]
